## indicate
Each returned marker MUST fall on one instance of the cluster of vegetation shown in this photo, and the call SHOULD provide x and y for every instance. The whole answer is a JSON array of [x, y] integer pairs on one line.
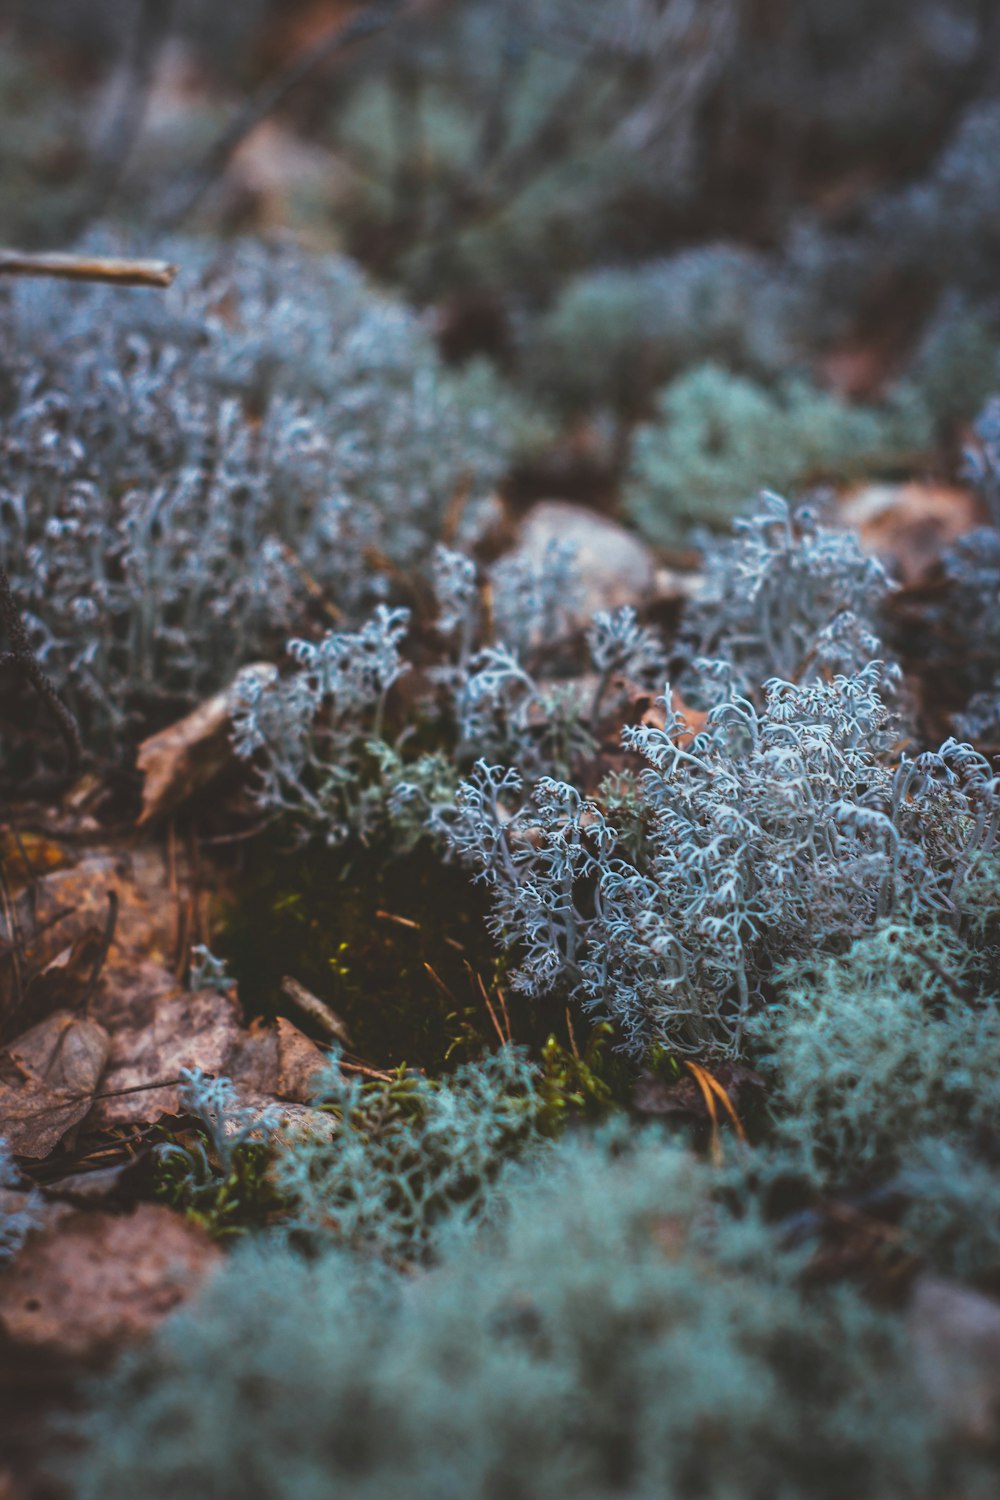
[[783, 882], [616, 1330], [660, 854], [175, 475]]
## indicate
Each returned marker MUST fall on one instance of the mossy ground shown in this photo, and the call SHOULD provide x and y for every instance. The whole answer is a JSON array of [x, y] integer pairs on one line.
[[395, 944]]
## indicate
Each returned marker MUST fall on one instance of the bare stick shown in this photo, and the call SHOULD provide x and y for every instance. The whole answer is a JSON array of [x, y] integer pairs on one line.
[[107, 938], [144, 40], [315, 1009], [88, 268], [189, 192], [23, 659]]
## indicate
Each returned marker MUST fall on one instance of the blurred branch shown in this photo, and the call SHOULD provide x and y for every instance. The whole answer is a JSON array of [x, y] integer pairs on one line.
[[88, 268], [188, 192], [24, 661], [144, 39]]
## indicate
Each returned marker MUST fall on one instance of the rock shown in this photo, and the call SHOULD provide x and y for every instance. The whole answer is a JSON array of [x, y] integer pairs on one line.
[[614, 566], [955, 1335], [95, 1281]]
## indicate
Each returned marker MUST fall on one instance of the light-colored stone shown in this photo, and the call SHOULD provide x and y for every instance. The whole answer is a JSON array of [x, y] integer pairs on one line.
[[955, 1335], [614, 566]]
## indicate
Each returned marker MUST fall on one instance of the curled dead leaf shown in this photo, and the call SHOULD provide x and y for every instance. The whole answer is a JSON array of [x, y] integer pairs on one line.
[[273, 1062], [187, 756]]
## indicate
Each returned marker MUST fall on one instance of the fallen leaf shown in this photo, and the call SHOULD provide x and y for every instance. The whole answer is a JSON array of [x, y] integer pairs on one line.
[[146, 899], [157, 1029], [909, 525], [187, 756], [96, 1281], [25, 855], [651, 713], [66, 980], [655, 1096], [251, 1062], [273, 1062], [299, 1060], [48, 1079]]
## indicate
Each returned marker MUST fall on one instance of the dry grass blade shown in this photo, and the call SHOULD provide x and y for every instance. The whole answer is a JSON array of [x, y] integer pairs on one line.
[[492, 1013], [712, 1091]]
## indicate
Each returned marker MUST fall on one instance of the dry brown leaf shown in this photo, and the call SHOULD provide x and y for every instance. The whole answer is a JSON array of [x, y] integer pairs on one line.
[[909, 525], [186, 757], [654, 717], [66, 980], [156, 1030], [25, 855], [48, 1078], [147, 902], [655, 1096], [96, 1281], [299, 1060], [274, 1062], [252, 1063]]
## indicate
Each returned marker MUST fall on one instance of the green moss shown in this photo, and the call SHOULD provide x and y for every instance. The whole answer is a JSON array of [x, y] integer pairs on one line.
[[227, 1203], [577, 1083], [396, 944], [718, 438]]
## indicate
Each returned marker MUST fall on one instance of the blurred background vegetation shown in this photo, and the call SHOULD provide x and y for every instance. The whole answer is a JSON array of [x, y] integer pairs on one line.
[[700, 217]]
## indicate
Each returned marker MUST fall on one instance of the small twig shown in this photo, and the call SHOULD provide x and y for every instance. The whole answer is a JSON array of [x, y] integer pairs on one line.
[[314, 1009], [390, 916], [140, 1088], [440, 983], [502, 1002], [22, 940], [493, 1015], [241, 836], [102, 953], [22, 657], [88, 268], [315, 590], [15, 939], [366, 1072], [190, 191], [572, 1035]]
